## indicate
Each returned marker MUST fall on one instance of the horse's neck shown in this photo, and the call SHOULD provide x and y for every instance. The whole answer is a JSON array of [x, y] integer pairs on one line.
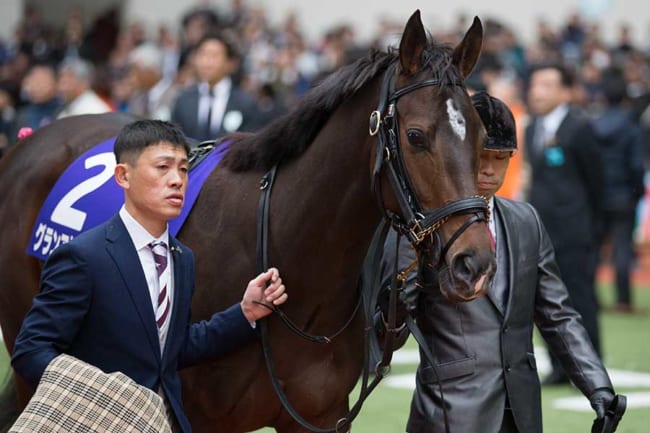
[[329, 213]]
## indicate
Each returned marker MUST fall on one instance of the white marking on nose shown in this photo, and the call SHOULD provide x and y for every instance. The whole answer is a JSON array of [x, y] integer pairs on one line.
[[456, 119]]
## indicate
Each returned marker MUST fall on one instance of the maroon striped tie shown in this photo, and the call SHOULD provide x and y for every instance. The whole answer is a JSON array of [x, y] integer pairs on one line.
[[159, 250]]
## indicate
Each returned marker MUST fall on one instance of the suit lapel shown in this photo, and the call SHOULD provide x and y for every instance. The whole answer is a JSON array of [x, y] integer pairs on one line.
[[179, 294], [231, 104], [495, 292], [562, 128], [193, 112], [120, 247], [512, 247]]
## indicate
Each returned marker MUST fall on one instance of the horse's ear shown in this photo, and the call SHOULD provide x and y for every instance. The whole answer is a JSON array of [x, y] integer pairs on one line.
[[467, 52], [414, 40]]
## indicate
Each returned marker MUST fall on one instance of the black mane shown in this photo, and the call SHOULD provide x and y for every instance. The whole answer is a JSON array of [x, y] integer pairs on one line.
[[289, 136]]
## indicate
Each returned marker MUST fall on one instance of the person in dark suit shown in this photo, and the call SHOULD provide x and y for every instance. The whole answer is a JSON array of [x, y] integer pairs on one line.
[[483, 349], [621, 140], [566, 184], [214, 106], [118, 296]]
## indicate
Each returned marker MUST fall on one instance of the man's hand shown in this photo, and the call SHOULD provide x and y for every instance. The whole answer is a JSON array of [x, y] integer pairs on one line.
[[600, 400], [266, 288]]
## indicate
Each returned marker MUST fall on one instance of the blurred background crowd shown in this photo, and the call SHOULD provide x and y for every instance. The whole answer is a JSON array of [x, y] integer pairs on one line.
[[118, 66], [106, 65]]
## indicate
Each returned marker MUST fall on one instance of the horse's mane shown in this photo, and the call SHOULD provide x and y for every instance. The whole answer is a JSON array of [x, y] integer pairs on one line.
[[289, 136]]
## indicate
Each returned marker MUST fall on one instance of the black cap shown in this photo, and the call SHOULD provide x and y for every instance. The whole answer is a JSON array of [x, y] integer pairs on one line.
[[498, 121]]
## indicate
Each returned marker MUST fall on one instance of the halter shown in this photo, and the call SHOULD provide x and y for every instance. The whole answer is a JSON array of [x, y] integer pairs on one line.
[[416, 224]]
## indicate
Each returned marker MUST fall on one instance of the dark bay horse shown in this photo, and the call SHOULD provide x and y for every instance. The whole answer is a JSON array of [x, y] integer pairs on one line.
[[322, 217]]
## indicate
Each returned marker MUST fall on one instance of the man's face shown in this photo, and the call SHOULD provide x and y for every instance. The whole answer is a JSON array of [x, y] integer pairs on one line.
[[212, 62], [155, 185], [546, 91], [142, 78], [69, 85], [40, 84], [492, 171]]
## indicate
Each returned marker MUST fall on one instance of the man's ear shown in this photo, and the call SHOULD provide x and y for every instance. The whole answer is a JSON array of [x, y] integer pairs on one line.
[[121, 175]]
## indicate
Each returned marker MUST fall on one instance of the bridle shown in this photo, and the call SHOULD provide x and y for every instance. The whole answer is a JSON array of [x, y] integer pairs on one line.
[[416, 224]]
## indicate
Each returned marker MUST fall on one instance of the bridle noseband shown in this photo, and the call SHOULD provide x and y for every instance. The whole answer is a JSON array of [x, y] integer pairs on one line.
[[416, 224]]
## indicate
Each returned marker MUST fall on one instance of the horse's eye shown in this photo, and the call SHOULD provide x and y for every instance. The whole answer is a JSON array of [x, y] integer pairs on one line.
[[416, 138]]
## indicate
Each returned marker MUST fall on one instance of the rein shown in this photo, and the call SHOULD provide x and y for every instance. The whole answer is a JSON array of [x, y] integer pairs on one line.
[[262, 263], [417, 225]]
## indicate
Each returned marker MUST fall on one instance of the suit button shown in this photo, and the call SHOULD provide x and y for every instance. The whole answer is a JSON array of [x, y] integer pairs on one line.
[[505, 329], [508, 368]]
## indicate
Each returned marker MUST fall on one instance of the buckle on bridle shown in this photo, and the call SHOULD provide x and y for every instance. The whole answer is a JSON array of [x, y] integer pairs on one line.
[[375, 122], [417, 234]]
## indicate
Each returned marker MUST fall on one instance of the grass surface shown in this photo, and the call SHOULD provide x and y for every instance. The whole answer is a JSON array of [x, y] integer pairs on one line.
[[626, 345]]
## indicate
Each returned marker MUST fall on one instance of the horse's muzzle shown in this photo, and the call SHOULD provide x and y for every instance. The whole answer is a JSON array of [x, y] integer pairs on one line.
[[468, 277]]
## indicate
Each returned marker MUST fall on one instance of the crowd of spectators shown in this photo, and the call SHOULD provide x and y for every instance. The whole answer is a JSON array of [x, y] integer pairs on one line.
[[120, 67], [48, 73]]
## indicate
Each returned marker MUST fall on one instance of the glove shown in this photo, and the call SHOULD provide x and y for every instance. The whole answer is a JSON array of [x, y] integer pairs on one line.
[[600, 400]]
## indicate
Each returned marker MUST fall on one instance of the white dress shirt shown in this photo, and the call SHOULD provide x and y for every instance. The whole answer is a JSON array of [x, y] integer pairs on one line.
[[553, 120], [221, 94], [141, 239]]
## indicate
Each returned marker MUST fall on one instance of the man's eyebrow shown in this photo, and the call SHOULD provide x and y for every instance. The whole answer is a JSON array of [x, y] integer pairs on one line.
[[171, 158]]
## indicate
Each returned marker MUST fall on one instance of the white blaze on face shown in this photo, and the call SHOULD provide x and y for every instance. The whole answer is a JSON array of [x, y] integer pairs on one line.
[[456, 119]]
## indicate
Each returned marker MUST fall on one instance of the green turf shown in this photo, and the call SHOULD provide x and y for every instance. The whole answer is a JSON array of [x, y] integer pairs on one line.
[[626, 344]]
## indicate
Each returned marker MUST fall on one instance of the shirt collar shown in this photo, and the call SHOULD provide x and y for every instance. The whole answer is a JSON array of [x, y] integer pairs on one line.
[[553, 119], [221, 88], [139, 235]]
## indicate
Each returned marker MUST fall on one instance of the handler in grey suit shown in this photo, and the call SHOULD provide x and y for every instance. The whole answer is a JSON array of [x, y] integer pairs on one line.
[[483, 348]]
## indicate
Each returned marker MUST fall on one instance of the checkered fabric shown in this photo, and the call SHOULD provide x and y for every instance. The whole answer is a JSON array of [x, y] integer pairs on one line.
[[75, 397]]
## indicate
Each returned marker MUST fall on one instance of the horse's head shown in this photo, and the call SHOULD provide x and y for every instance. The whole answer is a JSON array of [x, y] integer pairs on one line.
[[427, 159]]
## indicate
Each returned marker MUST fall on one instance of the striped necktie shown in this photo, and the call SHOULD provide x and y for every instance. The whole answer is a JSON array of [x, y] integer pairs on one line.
[[159, 250]]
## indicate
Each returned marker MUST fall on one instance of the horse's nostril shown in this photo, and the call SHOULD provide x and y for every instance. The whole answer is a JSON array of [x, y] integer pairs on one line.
[[463, 266]]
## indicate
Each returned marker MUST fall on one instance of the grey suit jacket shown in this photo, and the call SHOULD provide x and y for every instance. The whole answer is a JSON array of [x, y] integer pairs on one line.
[[484, 349]]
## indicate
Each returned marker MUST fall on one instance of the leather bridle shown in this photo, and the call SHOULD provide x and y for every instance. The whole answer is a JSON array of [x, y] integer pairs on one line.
[[416, 223]]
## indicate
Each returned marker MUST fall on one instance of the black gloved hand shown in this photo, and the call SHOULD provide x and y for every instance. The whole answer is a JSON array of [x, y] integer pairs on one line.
[[600, 400]]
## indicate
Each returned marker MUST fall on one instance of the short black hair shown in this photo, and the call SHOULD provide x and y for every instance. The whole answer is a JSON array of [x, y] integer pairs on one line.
[[138, 135], [614, 86], [567, 77], [225, 38]]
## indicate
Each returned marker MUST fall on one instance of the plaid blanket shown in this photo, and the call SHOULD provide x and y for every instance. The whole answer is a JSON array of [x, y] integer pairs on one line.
[[73, 396]]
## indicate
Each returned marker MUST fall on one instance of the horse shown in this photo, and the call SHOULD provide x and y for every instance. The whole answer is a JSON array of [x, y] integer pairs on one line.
[[322, 215]]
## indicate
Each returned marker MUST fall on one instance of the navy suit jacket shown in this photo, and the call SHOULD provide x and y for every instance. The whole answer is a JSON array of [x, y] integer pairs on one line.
[[94, 304], [186, 113], [567, 192]]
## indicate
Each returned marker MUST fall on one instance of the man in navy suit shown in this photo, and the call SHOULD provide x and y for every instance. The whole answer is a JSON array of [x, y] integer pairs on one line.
[[566, 188], [118, 296], [215, 106]]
